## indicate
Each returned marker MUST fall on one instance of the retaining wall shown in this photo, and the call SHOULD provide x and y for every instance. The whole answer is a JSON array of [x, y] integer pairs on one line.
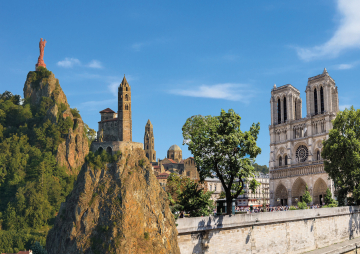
[[295, 231]]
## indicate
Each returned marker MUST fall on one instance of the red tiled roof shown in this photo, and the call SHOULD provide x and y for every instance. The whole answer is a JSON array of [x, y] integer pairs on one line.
[[109, 120], [162, 175], [156, 166], [172, 161], [107, 110], [23, 252]]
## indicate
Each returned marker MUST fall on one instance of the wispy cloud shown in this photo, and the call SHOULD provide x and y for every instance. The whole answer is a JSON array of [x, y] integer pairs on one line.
[[95, 64], [344, 66], [138, 46], [347, 35], [69, 62], [94, 105], [342, 107], [226, 91]]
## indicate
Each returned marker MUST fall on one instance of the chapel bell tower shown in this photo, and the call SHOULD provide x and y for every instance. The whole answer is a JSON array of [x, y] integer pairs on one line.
[[124, 111]]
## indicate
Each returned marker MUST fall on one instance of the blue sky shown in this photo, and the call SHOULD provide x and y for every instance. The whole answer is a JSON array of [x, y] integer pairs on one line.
[[182, 58]]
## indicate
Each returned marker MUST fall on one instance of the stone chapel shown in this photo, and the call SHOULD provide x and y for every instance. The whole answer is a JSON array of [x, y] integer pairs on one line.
[[115, 129], [296, 142]]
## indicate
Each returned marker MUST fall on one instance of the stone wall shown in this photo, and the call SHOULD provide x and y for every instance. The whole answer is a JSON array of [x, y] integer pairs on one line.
[[277, 232], [116, 146]]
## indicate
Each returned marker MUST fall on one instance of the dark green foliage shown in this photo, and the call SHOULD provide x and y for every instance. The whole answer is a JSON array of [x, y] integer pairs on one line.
[[99, 160], [32, 185], [146, 235], [38, 249], [263, 169], [187, 195], [329, 201], [341, 155], [222, 195], [14, 241], [36, 76], [75, 112]]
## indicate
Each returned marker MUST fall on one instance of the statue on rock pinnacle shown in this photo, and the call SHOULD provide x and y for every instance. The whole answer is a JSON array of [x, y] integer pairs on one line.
[[40, 59]]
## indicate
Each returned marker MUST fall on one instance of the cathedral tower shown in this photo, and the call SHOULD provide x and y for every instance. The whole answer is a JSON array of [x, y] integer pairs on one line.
[[124, 111], [149, 142]]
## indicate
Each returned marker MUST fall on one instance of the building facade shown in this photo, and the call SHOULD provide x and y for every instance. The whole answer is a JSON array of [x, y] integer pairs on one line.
[[259, 197], [296, 142]]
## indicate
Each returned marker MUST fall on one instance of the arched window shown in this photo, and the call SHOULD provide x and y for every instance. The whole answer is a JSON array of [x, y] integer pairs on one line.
[[279, 111], [147, 146], [280, 161], [126, 107], [285, 160], [126, 88], [318, 155], [295, 110], [147, 155], [322, 100], [315, 101], [126, 97], [285, 112]]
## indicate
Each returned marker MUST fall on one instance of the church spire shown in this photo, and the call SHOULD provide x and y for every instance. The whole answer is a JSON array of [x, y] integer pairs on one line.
[[124, 81]]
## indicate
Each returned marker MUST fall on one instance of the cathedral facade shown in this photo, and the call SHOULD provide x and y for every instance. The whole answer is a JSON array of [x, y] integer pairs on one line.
[[296, 142]]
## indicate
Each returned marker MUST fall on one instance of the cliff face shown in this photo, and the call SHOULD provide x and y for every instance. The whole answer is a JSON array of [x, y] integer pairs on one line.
[[117, 209], [72, 151]]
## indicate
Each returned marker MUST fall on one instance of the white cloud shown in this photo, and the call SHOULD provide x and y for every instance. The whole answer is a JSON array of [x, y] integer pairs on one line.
[[113, 87], [347, 35], [344, 66], [68, 62], [227, 91], [342, 107], [95, 64]]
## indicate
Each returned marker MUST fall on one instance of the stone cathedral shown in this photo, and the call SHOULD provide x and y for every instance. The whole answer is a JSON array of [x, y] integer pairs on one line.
[[296, 142]]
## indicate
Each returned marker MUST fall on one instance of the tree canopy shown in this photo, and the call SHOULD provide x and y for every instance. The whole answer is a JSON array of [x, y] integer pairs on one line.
[[221, 149], [341, 155], [188, 195]]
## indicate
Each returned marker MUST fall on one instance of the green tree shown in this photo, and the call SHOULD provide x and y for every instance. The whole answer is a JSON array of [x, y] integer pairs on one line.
[[194, 200], [307, 197], [341, 155], [222, 195], [328, 198], [221, 149]]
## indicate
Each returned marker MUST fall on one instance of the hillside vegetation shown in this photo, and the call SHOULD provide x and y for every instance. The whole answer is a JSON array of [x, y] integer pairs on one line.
[[32, 183]]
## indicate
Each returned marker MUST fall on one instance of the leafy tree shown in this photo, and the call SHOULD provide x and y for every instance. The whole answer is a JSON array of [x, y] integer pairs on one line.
[[302, 205], [328, 198], [341, 155], [188, 195], [195, 200], [221, 149], [307, 197], [90, 133]]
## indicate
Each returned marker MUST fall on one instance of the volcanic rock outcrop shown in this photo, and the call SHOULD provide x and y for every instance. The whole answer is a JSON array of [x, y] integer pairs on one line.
[[43, 84], [120, 208]]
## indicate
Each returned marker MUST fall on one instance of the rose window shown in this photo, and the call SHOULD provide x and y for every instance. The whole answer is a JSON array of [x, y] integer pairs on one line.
[[302, 153]]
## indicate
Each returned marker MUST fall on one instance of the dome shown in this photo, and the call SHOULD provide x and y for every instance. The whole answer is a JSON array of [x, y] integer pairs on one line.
[[174, 148]]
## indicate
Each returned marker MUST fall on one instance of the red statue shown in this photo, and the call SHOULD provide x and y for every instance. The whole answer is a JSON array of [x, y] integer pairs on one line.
[[40, 59]]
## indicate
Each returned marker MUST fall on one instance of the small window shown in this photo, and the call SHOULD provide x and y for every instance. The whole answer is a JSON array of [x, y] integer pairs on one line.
[[285, 160], [280, 161]]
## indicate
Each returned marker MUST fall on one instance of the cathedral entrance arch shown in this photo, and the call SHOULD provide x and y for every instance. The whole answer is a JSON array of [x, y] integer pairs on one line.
[[298, 190], [319, 191], [109, 150], [281, 194]]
